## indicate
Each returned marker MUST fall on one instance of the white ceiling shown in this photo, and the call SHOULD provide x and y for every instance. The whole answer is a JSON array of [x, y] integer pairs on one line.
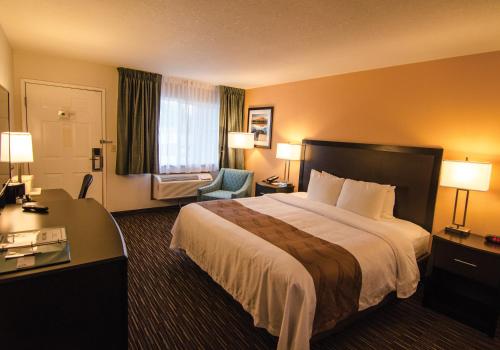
[[254, 42]]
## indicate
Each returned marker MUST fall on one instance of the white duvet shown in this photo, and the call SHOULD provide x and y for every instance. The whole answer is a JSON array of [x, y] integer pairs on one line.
[[272, 285]]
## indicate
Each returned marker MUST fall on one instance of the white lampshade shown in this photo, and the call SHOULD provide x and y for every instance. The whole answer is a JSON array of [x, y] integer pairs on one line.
[[466, 175], [20, 150], [288, 151], [243, 140]]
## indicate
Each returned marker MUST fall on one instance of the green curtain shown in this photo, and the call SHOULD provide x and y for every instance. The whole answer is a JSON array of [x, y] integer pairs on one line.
[[138, 122], [231, 118]]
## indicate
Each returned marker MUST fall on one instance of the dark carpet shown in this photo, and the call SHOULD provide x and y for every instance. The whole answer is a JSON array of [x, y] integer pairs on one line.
[[173, 304]]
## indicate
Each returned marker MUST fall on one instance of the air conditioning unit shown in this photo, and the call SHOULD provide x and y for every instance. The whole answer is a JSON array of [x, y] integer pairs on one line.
[[175, 186], [185, 177]]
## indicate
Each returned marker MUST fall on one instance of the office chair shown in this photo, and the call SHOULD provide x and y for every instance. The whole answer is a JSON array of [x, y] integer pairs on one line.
[[87, 181]]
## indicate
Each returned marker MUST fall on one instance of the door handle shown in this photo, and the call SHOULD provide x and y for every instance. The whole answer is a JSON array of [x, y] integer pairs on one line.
[[97, 161]]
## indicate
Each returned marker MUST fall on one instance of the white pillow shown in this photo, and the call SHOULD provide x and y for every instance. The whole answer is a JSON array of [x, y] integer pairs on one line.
[[324, 188], [389, 202], [324, 173], [363, 198]]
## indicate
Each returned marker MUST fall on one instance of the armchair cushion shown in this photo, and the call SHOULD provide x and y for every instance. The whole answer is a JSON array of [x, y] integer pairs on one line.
[[220, 194], [234, 179], [213, 186], [246, 189], [230, 183]]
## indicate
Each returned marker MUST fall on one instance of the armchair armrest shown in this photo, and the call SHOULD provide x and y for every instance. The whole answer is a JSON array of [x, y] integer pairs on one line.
[[246, 189], [214, 186]]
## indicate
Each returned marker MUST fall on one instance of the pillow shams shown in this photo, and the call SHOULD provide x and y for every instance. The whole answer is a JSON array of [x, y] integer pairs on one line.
[[324, 188], [389, 202], [327, 188], [363, 198]]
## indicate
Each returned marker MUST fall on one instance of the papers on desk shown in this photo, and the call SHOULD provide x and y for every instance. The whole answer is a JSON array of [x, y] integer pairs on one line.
[[36, 248], [25, 262], [33, 238]]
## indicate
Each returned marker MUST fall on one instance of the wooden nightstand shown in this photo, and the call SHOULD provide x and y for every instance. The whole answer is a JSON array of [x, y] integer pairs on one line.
[[263, 187], [463, 280]]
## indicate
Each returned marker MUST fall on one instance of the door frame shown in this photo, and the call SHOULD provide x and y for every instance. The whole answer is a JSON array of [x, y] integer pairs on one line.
[[24, 106]]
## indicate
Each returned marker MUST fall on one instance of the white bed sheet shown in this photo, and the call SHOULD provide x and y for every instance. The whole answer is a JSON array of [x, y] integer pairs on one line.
[[419, 237], [272, 285]]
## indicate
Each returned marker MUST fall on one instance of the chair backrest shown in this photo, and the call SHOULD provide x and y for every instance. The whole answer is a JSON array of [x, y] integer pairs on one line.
[[87, 181], [233, 179]]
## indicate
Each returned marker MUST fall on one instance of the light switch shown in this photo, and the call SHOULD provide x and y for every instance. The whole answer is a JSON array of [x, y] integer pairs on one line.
[[113, 148]]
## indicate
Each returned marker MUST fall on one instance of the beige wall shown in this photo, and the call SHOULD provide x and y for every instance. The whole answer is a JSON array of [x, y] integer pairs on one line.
[[452, 103], [123, 192], [6, 67]]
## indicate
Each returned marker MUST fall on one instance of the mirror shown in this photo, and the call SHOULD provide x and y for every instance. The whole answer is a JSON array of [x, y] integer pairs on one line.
[[4, 126]]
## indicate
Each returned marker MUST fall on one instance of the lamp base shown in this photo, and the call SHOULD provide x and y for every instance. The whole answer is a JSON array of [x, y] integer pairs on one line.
[[13, 190], [457, 230]]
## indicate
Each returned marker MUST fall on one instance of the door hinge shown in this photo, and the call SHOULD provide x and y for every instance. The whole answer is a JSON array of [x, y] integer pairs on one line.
[[26, 101], [102, 141]]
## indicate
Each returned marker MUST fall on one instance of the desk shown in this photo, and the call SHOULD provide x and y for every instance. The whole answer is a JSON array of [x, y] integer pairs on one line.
[[81, 304], [52, 195]]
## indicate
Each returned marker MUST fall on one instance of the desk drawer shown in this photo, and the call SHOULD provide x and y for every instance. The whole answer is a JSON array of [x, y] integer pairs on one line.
[[467, 262], [261, 190]]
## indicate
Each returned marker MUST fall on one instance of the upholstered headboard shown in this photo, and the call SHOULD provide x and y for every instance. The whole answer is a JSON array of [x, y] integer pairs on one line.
[[413, 170]]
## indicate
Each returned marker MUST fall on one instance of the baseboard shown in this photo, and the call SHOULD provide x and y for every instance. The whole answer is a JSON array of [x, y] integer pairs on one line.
[[145, 210]]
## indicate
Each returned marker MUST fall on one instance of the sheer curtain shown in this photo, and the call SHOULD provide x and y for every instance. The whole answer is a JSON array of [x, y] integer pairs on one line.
[[189, 126]]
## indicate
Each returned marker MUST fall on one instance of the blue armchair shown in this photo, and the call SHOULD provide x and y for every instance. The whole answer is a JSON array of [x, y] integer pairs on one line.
[[229, 184]]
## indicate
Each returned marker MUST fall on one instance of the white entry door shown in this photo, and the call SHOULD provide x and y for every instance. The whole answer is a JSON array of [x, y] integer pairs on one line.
[[66, 126]]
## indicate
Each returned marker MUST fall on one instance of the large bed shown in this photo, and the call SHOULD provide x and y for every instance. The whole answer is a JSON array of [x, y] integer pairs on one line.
[[249, 246]]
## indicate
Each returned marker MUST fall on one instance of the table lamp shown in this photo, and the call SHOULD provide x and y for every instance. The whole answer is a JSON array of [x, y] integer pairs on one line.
[[16, 148], [240, 140], [288, 152], [464, 176]]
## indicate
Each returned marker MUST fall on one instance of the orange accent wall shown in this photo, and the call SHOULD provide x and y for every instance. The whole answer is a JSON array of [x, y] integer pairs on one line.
[[453, 103]]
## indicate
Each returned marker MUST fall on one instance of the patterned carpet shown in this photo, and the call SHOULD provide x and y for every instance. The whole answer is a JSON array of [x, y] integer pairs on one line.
[[173, 304]]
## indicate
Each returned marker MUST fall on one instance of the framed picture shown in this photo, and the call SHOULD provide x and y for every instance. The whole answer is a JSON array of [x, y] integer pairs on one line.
[[260, 122]]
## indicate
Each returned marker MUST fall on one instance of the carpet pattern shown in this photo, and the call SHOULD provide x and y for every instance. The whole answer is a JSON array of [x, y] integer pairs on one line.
[[173, 304]]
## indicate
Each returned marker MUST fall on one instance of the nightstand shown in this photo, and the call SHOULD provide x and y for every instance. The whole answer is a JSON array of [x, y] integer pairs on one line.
[[463, 280], [263, 187]]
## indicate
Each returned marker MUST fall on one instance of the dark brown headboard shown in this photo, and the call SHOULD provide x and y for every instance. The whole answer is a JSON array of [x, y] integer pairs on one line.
[[413, 170]]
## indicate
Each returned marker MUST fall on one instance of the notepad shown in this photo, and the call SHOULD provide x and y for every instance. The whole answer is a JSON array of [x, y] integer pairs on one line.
[[32, 238], [32, 249], [25, 262]]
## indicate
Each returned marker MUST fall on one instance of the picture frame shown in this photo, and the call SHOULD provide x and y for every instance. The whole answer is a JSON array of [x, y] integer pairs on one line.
[[260, 122]]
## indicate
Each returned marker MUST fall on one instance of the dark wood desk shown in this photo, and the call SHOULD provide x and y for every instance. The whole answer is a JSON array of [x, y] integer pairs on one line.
[[81, 304], [52, 195]]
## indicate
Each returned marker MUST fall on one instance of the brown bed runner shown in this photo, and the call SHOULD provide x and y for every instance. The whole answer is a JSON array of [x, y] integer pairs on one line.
[[335, 271]]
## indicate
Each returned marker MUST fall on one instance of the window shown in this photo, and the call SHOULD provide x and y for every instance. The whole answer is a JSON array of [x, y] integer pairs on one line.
[[189, 126]]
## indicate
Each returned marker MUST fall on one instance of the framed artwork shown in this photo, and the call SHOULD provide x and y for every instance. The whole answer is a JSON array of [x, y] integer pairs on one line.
[[260, 122]]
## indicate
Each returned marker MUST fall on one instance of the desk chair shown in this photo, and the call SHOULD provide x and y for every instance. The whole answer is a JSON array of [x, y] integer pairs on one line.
[[87, 181]]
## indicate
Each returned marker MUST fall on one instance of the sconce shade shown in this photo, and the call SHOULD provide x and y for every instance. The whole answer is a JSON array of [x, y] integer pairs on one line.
[[16, 147], [466, 175], [288, 151], [243, 140]]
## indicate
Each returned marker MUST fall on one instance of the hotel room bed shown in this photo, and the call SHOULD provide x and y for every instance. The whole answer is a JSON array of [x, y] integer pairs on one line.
[[277, 285]]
